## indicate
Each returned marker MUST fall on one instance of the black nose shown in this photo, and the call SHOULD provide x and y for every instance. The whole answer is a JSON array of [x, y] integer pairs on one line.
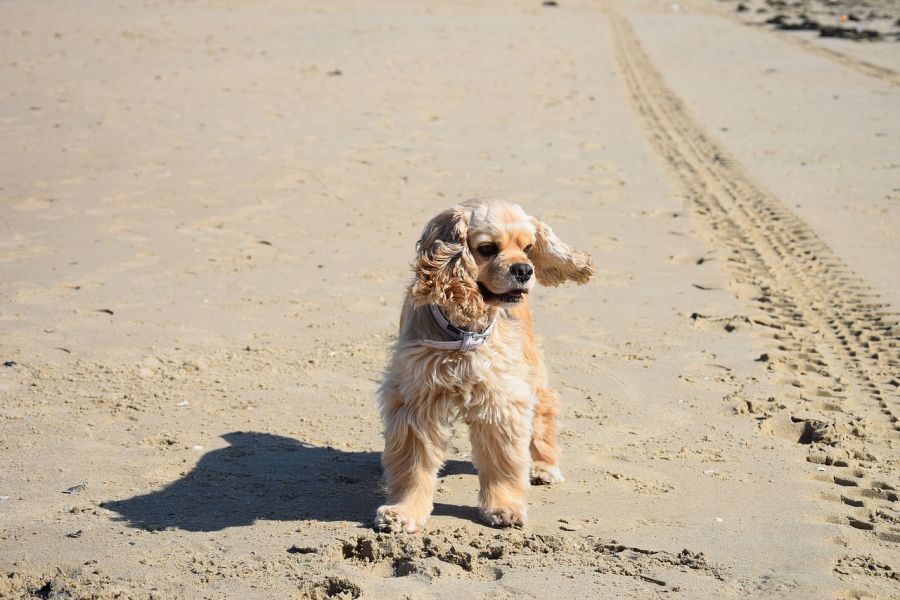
[[521, 271]]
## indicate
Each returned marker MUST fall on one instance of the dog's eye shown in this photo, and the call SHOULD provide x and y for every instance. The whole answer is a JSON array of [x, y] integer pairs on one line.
[[488, 249], [528, 248]]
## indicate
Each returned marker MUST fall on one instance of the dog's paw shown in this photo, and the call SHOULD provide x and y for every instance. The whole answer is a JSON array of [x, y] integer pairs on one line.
[[504, 516], [546, 475], [392, 518]]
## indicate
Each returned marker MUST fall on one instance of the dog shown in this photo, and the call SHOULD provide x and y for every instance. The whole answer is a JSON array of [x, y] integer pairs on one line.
[[466, 350]]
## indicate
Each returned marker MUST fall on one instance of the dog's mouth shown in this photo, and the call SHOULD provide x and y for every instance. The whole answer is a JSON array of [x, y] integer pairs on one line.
[[508, 297]]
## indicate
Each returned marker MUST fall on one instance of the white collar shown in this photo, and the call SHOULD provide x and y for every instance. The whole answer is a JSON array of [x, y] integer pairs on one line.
[[460, 339]]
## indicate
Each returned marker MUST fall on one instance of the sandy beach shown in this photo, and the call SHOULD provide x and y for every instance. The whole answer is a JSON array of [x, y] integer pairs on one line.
[[209, 213]]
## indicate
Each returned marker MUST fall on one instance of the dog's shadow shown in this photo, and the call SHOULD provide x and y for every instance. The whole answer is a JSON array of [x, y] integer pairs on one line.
[[269, 477]]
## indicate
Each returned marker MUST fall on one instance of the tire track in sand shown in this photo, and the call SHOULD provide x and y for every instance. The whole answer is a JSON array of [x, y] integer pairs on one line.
[[861, 66], [834, 339], [851, 62]]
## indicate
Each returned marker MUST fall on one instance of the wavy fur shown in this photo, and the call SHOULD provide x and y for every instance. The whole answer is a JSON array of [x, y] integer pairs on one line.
[[555, 261], [445, 269]]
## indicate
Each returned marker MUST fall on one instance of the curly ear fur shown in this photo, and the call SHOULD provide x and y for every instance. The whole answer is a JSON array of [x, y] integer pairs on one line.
[[445, 269], [555, 261]]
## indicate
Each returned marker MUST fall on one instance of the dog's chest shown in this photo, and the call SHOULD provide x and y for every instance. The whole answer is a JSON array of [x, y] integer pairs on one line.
[[487, 385]]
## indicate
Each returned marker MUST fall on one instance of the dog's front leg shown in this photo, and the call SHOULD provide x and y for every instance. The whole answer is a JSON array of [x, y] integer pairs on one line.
[[413, 452], [500, 453]]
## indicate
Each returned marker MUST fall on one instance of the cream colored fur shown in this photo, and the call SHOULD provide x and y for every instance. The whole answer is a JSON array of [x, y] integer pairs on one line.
[[499, 389]]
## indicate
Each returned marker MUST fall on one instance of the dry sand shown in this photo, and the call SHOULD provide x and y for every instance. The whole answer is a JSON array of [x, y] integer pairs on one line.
[[208, 213]]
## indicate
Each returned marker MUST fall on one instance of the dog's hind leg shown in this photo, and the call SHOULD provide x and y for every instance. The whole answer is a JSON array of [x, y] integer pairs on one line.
[[413, 453], [544, 447]]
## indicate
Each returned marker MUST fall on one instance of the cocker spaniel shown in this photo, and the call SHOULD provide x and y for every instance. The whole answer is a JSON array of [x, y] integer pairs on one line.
[[466, 349]]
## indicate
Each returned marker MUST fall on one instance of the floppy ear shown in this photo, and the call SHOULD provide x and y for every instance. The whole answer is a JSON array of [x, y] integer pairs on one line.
[[555, 261], [445, 269]]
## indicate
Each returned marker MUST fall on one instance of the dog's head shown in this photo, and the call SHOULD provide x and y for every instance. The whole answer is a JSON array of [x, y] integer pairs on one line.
[[487, 253]]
